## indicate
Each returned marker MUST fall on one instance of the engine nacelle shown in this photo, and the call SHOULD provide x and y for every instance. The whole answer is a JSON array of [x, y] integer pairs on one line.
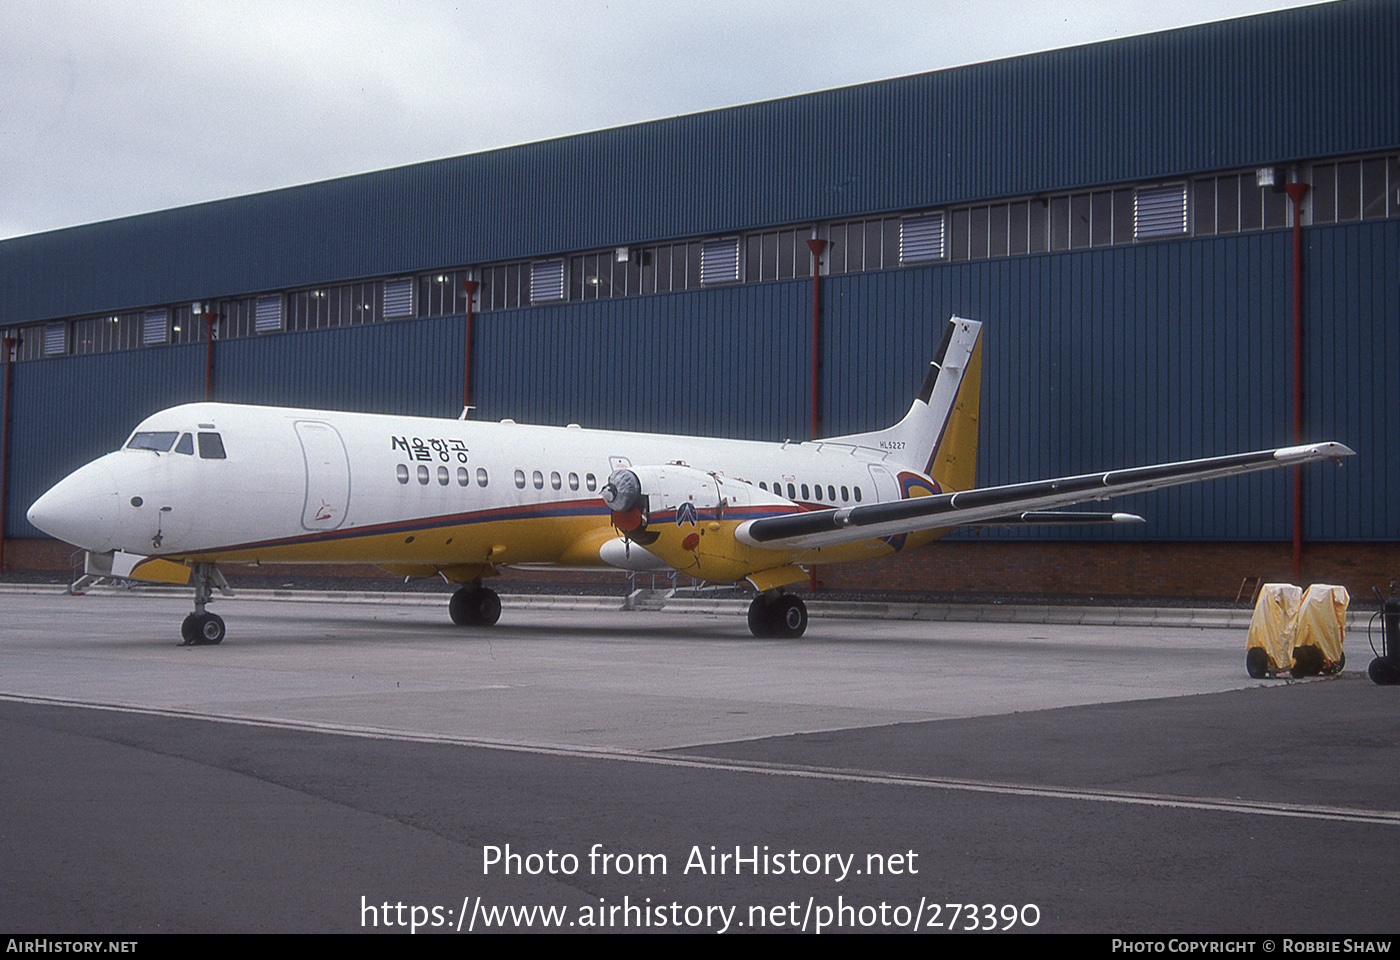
[[687, 518]]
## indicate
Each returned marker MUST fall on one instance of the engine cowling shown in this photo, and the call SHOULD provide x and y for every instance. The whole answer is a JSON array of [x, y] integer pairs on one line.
[[687, 518]]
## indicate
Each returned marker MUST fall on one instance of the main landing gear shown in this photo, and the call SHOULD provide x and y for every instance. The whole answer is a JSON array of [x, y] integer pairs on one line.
[[203, 629], [474, 606], [777, 615]]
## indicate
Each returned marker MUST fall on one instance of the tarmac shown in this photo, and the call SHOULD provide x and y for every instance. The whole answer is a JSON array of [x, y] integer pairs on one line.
[[584, 767]]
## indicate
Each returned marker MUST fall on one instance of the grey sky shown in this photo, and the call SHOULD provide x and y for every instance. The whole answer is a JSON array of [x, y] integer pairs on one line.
[[115, 107]]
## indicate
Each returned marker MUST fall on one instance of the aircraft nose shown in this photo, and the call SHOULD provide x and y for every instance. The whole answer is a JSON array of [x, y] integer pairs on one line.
[[81, 509]]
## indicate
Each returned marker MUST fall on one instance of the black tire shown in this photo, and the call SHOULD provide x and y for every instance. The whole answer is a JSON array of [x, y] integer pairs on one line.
[[1307, 661], [459, 608], [189, 630], [487, 607], [473, 606], [788, 617], [1383, 672], [210, 630], [760, 617], [1256, 663]]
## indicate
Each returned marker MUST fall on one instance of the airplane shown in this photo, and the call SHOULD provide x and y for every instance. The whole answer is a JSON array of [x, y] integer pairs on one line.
[[214, 483]]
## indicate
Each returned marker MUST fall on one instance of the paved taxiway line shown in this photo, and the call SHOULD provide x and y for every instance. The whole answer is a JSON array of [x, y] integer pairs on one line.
[[873, 777]]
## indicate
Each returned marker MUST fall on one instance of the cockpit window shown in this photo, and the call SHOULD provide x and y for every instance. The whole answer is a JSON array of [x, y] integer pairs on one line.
[[186, 445], [211, 446], [160, 440]]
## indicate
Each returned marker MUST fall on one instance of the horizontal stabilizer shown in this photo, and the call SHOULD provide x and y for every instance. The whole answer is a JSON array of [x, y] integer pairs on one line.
[[847, 524]]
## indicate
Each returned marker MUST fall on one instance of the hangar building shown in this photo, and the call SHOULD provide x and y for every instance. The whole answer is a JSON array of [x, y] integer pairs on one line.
[[1115, 213]]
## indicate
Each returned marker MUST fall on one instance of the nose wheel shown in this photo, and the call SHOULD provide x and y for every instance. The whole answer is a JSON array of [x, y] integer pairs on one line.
[[474, 606], [202, 630], [783, 616]]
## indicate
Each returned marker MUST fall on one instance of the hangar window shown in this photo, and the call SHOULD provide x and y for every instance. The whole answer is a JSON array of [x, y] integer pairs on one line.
[[777, 255], [719, 260], [442, 294], [103, 334], [1160, 212], [504, 286], [858, 245]]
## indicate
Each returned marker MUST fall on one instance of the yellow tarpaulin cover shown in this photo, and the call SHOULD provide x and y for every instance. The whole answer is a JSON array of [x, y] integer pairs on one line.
[[1275, 615], [1322, 621]]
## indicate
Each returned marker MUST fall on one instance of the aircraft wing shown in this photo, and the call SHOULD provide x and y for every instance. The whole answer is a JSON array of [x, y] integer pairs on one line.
[[1004, 504]]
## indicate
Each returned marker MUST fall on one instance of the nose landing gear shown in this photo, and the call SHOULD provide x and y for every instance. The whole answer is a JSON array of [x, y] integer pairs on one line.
[[201, 628]]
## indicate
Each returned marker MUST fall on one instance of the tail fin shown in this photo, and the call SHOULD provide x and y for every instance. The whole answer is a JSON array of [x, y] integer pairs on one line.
[[938, 435]]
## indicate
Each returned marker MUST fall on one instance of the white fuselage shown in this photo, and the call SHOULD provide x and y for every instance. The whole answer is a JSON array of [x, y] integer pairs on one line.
[[314, 485]]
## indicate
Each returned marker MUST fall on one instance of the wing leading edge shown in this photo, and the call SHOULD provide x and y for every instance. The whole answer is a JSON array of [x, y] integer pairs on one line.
[[1002, 504]]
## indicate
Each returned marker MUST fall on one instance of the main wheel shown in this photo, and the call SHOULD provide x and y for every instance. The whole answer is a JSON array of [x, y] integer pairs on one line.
[[760, 619], [210, 630], [789, 617], [474, 606], [487, 608], [189, 630]]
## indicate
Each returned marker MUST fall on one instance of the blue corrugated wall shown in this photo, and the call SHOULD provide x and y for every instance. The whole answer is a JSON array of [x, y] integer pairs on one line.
[[1093, 359], [1293, 85]]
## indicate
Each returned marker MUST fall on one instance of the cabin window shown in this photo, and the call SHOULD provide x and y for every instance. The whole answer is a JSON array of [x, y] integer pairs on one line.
[[792, 492], [831, 493], [403, 473], [817, 490], [591, 482], [805, 494], [539, 480], [422, 474], [481, 476], [573, 481], [160, 441], [845, 494], [464, 477], [442, 476], [763, 484], [211, 447], [186, 445], [857, 494], [520, 479], [555, 481]]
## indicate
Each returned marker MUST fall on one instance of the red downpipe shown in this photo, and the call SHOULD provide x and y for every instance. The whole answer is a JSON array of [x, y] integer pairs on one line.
[[816, 246], [1296, 193], [10, 344], [470, 287]]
